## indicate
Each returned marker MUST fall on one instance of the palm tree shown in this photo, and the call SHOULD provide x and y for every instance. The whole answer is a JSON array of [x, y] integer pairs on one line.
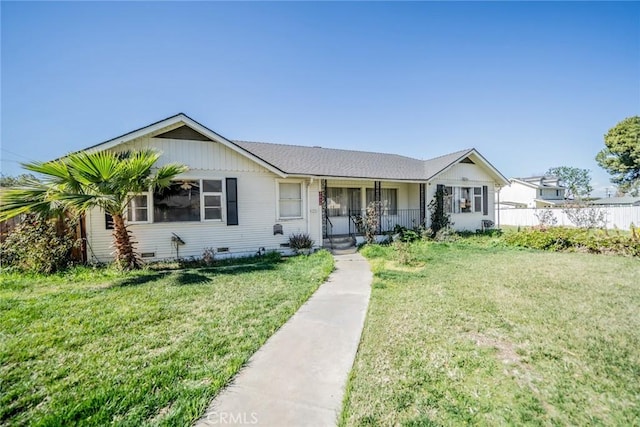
[[84, 180]]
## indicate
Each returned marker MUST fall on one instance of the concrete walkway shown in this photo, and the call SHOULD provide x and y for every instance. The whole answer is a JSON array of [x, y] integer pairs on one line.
[[298, 377]]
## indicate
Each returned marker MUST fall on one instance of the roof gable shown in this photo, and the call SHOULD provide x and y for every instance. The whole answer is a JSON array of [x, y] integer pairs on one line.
[[439, 165], [172, 124], [184, 132], [286, 160]]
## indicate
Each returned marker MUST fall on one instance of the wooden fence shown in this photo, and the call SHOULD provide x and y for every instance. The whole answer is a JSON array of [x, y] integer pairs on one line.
[[615, 216]]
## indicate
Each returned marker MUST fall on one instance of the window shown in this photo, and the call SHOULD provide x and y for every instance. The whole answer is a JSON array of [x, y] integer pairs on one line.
[[388, 199], [342, 200], [212, 198], [463, 199], [290, 200], [138, 208], [178, 202]]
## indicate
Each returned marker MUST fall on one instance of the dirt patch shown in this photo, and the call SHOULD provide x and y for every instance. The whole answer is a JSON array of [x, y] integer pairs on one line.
[[411, 267], [506, 350]]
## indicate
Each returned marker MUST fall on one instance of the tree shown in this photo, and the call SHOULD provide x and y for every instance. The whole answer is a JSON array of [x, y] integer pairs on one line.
[[621, 155], [440, 219], [14, 181], [82, 181], [577, 181]]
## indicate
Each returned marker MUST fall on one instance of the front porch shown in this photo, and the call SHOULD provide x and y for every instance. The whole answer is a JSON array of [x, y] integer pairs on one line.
[[345, 202], [353, 224]]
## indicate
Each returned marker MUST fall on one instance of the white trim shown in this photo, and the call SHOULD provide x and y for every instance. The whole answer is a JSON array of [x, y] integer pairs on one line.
[[220, 193], [201, 194], [149, 208], [302, 199], [501, 178], [456, 199]]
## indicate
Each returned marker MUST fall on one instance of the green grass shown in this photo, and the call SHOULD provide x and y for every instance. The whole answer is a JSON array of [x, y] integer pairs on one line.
[[95, 347], [477, 333]]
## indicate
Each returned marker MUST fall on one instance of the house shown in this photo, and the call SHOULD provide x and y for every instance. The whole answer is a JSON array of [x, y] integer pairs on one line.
[[242, 197], [617, 201], [532, 192]]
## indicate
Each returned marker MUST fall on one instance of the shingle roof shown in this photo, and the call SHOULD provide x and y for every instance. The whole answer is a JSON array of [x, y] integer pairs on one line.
[[625, 200], [318, 161]]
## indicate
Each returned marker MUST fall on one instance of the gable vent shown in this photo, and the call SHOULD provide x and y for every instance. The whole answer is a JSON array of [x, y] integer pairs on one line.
[[183, 132], [467, 160]]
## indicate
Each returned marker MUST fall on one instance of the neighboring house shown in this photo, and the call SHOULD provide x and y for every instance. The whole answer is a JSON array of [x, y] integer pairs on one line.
[[532, 192], [617, 201], [242, 197]]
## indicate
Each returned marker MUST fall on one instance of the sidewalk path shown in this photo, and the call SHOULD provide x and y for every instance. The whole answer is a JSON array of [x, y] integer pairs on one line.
[[298, 377]]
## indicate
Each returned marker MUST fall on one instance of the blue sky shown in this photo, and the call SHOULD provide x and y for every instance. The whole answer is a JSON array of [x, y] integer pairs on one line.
[[530, 85]]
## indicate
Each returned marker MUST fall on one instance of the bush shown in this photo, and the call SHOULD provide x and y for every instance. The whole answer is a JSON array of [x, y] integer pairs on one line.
[[300, 241], [40, 245], [407, 235], [575, 239]]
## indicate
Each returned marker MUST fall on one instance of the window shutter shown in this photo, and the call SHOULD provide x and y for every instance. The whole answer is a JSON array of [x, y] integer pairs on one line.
[[108, 222], [485, 200], [232, 201]]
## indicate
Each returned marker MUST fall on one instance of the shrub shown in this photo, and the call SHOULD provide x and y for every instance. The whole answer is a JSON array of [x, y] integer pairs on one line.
[[546, 218], [40, 245], [403, 252], [208, 256], [440, 219], [407, 235], [583, 216], [575, 239], [446, 234], [369, 224], [300, 241]]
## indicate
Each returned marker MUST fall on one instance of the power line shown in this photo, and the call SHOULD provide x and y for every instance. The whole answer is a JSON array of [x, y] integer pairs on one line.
[[15, 154]]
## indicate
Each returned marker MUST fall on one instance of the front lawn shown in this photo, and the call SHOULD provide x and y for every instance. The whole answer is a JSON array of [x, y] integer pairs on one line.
[[95, 347], [465, 333]]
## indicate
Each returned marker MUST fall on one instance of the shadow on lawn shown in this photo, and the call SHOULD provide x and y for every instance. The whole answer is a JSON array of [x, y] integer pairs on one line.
[[192, 276]]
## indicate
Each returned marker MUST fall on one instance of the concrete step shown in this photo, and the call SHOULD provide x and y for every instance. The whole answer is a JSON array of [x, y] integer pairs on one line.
[[342, 242], [347, 251]]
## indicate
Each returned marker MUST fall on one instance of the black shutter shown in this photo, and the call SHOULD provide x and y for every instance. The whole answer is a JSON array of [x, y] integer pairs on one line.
[[485, 200], [232, 201], [108, 222]]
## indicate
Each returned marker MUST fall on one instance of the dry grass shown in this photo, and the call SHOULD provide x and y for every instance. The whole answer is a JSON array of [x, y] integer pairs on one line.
[[498, 336]]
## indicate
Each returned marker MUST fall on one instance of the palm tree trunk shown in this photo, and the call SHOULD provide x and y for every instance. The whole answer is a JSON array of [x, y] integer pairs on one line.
[[126, 256]]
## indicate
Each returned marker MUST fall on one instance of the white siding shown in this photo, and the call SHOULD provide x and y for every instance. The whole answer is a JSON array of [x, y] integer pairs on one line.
[[256, 207], [465, 171], [518, 193], [465, 175], [199, 155]]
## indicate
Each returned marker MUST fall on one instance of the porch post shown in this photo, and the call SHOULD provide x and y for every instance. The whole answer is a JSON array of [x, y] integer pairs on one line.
[[423, 202], [324, 208], [377, 198]]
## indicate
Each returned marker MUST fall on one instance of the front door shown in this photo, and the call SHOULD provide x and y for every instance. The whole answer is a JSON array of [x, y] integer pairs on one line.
[[341, 201]]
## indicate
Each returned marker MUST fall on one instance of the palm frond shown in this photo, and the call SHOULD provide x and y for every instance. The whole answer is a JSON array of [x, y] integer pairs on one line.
[[166, 173], [93, 168], [35, 199]]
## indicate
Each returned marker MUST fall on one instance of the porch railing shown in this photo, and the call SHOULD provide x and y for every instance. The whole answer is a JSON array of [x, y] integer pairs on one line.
[[386, 221], [328, 228]]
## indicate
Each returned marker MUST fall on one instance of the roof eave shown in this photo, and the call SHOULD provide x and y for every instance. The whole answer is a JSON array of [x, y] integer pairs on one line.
[[502, 180]]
